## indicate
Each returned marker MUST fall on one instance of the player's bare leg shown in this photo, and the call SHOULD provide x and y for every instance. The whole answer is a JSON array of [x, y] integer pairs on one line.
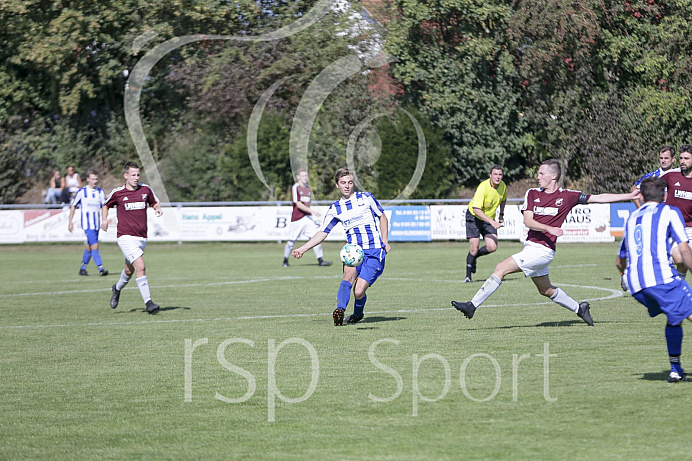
[[679, 264], [504, 268], [563, 299]]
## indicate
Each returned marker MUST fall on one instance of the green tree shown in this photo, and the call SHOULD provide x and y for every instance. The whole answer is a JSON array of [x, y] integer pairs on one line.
[[456, 70]]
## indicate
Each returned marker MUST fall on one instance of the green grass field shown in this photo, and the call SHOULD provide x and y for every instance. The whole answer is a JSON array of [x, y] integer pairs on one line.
[[243, 361]]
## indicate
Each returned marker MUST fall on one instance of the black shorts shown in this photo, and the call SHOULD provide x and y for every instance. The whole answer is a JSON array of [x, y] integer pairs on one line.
[[476, 227]]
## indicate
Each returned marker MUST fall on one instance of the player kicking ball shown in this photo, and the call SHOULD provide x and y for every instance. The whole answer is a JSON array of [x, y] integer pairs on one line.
[[366, 224], [545, 209]]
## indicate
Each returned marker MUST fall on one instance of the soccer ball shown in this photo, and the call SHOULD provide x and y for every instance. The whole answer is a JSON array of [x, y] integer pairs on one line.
[[351, 255]]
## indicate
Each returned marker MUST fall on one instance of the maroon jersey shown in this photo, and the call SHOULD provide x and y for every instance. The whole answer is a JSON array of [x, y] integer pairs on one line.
[[680, 194], [550, 209], [131, 206], [300, 194]]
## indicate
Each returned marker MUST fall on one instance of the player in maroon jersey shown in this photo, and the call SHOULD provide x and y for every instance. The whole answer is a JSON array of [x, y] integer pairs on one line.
[[545, 209], [131, 202], [303, 219], [679, 195]]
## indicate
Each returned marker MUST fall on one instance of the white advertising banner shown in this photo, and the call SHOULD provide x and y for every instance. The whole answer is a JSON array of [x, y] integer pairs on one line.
[[585, 223], [12, 226], [248, 223], [448, 222]]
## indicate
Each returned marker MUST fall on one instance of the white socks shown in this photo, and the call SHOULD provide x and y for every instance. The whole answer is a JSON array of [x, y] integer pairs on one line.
[[488, 288], [143, 285], [564, 300], [123, 281]]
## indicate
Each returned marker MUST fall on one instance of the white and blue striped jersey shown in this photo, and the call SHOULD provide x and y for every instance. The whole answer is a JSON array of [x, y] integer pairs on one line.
[[649, 234], [90, 201], [654, 174], [359, 215]]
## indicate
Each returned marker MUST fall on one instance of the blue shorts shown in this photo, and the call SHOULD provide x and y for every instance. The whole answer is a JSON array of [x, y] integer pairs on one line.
[[372, 266], [92, 236], [673, 299]]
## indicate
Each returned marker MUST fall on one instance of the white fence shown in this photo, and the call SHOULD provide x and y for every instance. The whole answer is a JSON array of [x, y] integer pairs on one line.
[[585, 223]]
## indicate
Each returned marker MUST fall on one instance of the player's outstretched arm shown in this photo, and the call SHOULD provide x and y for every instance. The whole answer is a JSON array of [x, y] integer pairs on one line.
[[610, 198], [637, 202], [313, 242]]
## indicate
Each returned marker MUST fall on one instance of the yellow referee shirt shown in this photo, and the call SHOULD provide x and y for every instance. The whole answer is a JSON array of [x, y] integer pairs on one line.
[[488, 198]]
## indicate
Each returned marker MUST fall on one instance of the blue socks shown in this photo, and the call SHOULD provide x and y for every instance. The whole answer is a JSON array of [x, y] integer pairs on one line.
[[97, 258], [674, 341], [343, 296], [86, 257], [359, 305]]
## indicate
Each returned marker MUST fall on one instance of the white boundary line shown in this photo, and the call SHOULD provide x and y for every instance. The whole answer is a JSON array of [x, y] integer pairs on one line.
[[613, 294], [236, 282]]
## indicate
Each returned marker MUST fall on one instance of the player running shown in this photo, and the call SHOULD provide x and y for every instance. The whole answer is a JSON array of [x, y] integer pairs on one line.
[[545, 209]]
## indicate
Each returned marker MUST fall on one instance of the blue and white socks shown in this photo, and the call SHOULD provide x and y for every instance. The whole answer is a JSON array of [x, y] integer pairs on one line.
[[674, 341], [343, 296]]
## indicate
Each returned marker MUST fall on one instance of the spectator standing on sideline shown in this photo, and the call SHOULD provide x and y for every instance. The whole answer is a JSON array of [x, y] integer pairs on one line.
[[303, 219], [647, 274], [366, 224], [90, 199], [545, 209], [666, 158], [131, 202], [55, 186], [480, 218]]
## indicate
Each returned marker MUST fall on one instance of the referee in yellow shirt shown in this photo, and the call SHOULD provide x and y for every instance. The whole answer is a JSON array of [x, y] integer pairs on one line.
[[490, 194]]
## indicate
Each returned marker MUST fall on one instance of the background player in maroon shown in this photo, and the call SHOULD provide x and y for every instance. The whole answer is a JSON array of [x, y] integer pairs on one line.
[[131, 202], [544, 209], [303, 219], [679, 182]]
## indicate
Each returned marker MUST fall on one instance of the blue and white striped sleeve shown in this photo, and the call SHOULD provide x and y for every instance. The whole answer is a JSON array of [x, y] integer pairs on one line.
[[375, 205], [330, 220]]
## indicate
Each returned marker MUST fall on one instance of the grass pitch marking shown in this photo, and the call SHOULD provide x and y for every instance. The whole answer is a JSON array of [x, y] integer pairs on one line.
[[612, 294]]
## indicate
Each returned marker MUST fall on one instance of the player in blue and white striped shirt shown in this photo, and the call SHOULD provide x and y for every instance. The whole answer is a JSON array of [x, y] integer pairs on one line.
[[666, 158], [366, 224], [90, 200], [644, 260]]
